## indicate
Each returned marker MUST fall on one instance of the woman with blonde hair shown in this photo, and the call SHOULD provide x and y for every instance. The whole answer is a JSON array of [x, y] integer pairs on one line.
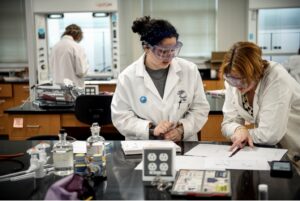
[[263, 93]]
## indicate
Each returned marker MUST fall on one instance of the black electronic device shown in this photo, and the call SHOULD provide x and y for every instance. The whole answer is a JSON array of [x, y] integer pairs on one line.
[[93, 108], [281, 169]]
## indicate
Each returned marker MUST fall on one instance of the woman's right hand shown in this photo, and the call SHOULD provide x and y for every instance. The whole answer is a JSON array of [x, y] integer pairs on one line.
[[162, 128], [240, 138]]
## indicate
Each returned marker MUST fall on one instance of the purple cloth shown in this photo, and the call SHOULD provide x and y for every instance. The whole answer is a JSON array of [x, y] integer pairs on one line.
[[66, 188]]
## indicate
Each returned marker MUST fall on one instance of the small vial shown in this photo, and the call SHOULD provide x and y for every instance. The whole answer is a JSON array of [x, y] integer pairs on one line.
[[63, 155], [263, 192]]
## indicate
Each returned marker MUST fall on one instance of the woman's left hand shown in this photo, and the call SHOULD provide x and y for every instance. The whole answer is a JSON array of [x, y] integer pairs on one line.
[[174, 135]]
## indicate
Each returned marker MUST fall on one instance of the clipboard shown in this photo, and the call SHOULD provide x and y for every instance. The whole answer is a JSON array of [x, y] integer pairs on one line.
[[202, 183]]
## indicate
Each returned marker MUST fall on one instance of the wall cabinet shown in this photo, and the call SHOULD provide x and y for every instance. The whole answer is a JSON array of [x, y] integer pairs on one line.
[[279, 42], [27, 125], [21, 93], [11, 94], [213, 84], [211, 131]]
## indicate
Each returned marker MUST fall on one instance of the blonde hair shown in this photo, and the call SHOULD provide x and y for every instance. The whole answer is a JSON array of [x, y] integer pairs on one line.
[[244, 58]]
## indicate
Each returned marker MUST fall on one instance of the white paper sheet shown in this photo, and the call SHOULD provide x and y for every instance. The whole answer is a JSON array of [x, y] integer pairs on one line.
[[229, 163], [247, 153], [212, 163]]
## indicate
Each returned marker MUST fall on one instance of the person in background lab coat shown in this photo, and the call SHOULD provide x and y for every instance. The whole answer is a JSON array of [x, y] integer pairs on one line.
[[293, 66], [159, 96], [68, 58], [263, 93]]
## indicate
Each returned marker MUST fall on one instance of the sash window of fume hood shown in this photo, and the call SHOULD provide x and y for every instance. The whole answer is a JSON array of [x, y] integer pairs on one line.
[[13, 33], [96, 37]]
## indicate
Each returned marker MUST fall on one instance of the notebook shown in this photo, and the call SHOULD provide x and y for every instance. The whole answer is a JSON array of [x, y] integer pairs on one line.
[[131, 147], [202, 183]]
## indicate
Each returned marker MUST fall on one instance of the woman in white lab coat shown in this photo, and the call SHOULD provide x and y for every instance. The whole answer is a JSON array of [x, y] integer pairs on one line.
[[263, 93], [293, 66], [68, 59], [159, 96]]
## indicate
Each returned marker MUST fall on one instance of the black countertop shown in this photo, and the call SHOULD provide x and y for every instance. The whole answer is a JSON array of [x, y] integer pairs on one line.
[[13, 81], [30, 108], [125, 183]]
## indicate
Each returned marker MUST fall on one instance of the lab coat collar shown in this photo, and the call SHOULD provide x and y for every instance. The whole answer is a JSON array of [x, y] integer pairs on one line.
[[68, 37], [170, 83]]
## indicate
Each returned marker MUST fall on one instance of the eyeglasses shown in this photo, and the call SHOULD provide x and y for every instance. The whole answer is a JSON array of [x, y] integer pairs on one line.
[[236, 82], [166, 53]]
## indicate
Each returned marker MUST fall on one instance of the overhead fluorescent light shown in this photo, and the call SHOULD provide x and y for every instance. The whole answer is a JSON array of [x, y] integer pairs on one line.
[[56, 16], [100, 14]]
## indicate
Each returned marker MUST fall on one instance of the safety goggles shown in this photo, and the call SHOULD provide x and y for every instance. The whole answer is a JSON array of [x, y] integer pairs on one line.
[[236, 82], [166, 53]]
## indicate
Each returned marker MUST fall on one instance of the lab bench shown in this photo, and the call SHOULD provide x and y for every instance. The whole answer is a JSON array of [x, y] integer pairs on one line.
[[37, 121], [125, 183]]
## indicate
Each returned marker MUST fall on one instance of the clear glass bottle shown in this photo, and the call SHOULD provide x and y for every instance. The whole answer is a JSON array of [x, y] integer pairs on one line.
[[63, 155], [96, 152], [95, 143]]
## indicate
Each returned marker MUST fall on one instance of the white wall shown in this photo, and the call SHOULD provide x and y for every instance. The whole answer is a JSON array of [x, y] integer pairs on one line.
[[130, 46], [231, 23], [231, 26]]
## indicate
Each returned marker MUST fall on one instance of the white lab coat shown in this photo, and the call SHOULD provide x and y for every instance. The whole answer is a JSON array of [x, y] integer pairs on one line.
[[276, 110], [132, 117], [68, 60], [293, 66]]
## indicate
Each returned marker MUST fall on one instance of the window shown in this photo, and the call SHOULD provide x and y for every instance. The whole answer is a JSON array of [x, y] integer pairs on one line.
[[195, 21], [12, 32]]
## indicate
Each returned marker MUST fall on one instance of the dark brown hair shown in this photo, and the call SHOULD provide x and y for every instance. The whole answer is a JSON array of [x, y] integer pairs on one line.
[[244, 58], [153, 31], [74, 31]]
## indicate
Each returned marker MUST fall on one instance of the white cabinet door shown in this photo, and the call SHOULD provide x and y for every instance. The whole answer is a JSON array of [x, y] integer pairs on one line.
[[286, 42], [264, 41]]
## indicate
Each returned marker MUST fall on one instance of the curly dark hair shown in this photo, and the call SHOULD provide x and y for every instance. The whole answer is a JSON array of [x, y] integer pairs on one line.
[[153, 31]]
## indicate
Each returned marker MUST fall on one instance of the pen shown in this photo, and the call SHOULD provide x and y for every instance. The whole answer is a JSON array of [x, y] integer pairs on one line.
[[235, 151]]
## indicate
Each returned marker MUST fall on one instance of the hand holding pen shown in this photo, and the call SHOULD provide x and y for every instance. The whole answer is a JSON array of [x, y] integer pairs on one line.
[[240, 138]]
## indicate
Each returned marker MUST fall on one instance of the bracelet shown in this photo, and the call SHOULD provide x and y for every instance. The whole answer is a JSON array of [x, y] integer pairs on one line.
[[151, 129]]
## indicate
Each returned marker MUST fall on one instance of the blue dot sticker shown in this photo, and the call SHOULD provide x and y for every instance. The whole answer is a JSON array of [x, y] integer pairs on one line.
[[143, 99]]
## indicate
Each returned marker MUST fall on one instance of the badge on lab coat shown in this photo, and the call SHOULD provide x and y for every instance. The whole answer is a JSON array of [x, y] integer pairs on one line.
[[143, 99]]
